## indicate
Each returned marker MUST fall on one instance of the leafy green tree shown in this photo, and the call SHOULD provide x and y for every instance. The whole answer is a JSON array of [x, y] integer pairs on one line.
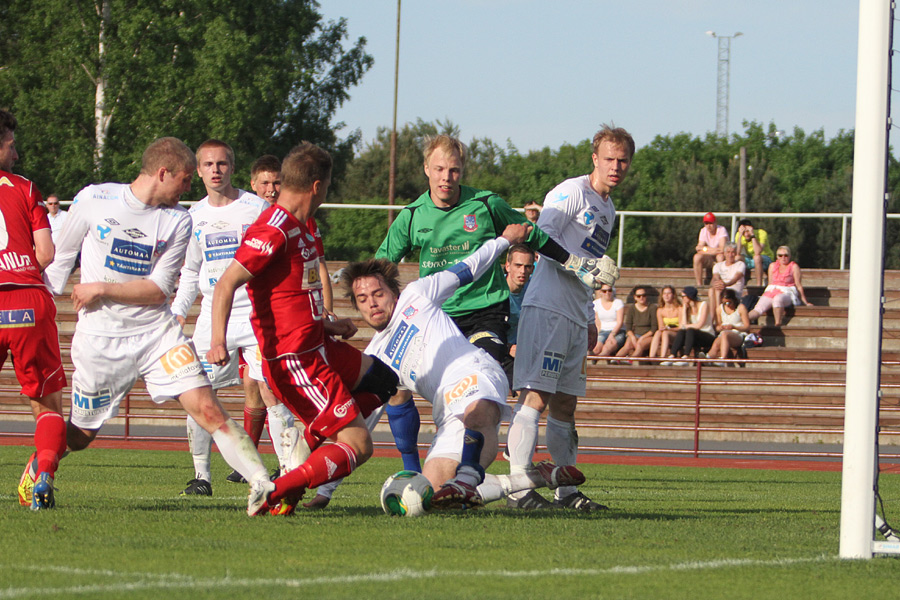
[[93, 81]]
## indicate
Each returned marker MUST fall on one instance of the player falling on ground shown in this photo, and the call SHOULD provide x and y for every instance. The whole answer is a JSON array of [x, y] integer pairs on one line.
[[432, 358], [219, 222], [27, 317], [557, 313], [328, 384], [132, 240]]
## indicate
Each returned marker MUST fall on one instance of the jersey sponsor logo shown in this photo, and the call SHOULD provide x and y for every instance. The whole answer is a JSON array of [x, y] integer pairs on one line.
[[22, 317], [307, 253], [399, 343], [208, 369], [128, 267], [133, 250], [341, 410], [213, 281], [103, 231], [410, 312], [312, 273], [11, 261], [464, 388], [292, 233], [197, 235], [135, 233], [551, 365], [588, 217], [180, 361], [470, 223], [89, 404], [226, 238], [219, 254], [331, 466], [244, 229], [259, 245], [6, 182], [597, 243], [559, 197]]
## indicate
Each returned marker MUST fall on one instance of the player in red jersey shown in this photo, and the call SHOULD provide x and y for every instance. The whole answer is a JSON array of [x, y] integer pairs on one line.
[[311, 373], [28, 316]]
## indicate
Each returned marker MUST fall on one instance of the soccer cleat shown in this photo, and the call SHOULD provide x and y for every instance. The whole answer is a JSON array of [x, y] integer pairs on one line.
[[26, 484], [287, 505], [578, 501], [317, 503], [258, 498], [275, 474], [197, 487], [235, 477], [530, 501], [557, 476], [456, 494], [42, 494]]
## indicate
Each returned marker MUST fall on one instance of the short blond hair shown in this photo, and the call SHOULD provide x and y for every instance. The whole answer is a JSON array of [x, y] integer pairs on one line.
[[448, 144], [615, 135], [214, 143], [305, 164], [169, 153]]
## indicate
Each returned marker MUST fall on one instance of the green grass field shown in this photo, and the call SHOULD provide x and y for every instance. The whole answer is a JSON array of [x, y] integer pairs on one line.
[[672, 533]]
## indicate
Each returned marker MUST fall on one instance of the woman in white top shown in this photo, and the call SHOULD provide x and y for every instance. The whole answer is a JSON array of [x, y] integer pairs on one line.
[[609, 314], [732, 324], [696, 333]]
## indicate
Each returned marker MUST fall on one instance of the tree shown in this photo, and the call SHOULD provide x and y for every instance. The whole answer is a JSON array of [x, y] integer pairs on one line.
[[115, 74]]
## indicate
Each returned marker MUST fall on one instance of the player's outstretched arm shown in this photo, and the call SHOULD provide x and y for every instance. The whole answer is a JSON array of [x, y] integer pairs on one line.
[[223, 297]]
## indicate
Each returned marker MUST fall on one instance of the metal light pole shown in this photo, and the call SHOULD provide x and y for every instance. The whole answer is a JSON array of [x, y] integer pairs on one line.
[[722, 81], [392, 176]]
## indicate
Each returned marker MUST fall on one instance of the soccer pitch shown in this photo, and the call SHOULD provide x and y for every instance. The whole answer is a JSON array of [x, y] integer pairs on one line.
[[673, 532]]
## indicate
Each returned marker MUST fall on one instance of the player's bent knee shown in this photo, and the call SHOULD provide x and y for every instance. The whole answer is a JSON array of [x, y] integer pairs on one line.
[[78, 438]]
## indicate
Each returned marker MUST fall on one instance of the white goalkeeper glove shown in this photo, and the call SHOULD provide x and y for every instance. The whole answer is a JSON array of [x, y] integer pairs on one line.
[[593, 272]]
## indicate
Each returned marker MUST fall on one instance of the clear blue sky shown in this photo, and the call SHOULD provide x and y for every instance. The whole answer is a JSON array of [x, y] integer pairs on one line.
[[545, 72]]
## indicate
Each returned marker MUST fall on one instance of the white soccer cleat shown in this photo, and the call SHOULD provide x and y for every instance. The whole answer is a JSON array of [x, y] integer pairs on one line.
[[258, 499]]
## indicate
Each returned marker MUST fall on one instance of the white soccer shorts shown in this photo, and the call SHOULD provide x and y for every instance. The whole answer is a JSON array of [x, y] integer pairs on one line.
[[106, 368], [240, 338], [551, 353]]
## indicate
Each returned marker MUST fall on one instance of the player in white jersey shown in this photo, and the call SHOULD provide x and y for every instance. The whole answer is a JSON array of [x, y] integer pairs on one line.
[[132, 240], [219, 222], [432, 358], [556, 316]]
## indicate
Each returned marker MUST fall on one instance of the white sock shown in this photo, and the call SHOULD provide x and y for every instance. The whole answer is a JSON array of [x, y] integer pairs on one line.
[[469, 475], [495, 487], [239, 452], [522, 437], [562, 443], [200, 443], [280, 419]]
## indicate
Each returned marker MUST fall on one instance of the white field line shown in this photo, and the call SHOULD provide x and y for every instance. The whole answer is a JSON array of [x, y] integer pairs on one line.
[[148, 581]]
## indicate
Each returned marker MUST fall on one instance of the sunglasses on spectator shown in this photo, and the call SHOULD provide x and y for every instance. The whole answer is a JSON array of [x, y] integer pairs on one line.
[[640, 295], [783, 255], [606, 290]]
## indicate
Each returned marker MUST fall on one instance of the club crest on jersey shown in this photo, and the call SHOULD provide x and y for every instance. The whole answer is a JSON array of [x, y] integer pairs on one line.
[[410, 312], [161, 246], [470, 223]]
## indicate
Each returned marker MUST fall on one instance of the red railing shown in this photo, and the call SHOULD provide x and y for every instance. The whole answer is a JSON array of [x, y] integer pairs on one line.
[[695, 419]]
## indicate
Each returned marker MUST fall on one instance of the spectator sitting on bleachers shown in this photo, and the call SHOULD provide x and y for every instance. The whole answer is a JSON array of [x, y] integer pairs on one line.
[[727, 274], [640, 325], [710, 246], [732, 324], [696, 334], [755, 249], [668, 318], [785, 288], [609, 316]]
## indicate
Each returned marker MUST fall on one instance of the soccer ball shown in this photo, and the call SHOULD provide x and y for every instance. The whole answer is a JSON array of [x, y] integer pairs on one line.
[[406, 494]]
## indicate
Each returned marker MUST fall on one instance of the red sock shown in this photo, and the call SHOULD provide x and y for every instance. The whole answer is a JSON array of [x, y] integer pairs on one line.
[[325, 464], [49, 441], [254, 421]]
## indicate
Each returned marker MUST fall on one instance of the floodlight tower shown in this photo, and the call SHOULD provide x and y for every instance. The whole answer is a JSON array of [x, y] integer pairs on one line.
[[722, 81]]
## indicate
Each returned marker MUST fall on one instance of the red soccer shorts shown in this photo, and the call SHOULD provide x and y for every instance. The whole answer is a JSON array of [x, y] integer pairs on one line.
[[314, 390], [28, 332]]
